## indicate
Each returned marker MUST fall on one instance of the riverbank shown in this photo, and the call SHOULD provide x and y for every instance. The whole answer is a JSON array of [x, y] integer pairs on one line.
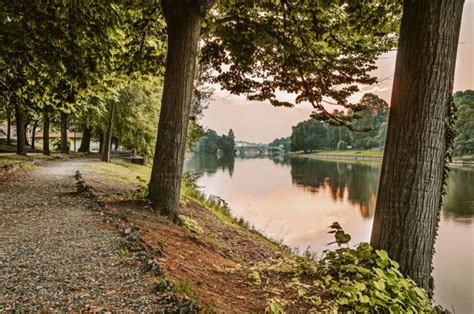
[[227, 266], [11, 161], [210, 259], [365, 155]]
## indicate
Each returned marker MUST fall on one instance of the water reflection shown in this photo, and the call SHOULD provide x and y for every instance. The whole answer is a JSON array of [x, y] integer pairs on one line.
[[459, 199], [355, 182], [210, 164], [359, 181], [296, 199]]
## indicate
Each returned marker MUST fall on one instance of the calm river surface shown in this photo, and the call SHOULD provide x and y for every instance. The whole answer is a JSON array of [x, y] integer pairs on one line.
[[295, 200]]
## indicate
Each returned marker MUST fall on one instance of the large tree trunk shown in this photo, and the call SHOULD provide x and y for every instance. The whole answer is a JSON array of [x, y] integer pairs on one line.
[[64, 147], [408, 203], [107, 143], [46, 150], [183, 20], [101, 141], [20, 130], [9, 127], [86, 140], [33, 134], [27, 122]]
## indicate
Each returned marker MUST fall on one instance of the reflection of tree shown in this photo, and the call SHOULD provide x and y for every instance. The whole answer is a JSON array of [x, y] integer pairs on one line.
[[459, 200], [359, 180], [281, 159], [210, 163]]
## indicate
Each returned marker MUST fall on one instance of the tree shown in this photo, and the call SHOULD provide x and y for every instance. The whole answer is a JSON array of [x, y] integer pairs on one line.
[[64, 147], [267, 60], [52, 53], [318, 50], [46, 124], [183, 20], [464, 141], [20, 130], [107, 142], [226, 143], [309, 135], [137, 110], [285, 141], [408, 202], [207, 144]]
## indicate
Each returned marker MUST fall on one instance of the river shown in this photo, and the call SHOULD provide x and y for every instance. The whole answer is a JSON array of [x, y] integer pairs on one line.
[[296, 199]]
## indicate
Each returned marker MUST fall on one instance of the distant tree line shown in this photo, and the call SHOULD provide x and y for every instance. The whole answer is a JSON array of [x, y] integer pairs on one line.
[[284, 141], [464, 125], [210, 143], [370, 128]]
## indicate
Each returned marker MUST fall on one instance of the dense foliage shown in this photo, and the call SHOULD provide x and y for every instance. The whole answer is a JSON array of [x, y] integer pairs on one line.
[[464, 125], [137, 111], [211, 143], [319, 50], [369, 129], [284, 141], [359, 279]]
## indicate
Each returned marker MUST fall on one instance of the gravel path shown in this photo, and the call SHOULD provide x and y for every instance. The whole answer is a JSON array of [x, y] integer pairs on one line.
[[55, 255]]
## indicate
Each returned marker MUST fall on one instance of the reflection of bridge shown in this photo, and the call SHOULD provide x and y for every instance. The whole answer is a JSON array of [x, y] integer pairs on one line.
[[256, 150]]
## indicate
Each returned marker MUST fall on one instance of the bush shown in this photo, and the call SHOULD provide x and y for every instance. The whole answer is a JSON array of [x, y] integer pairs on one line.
[[359, 279], [57, 144]]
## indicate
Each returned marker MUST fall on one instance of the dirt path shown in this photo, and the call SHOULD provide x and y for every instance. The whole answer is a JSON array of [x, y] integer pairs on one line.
[[55, 254]]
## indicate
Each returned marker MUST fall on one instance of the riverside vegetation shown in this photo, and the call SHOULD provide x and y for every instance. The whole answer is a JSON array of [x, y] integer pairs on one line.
[[359, 278], [111, 69]]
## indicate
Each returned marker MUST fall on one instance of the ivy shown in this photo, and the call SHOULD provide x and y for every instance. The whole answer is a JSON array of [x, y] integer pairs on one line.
[[360, 279]]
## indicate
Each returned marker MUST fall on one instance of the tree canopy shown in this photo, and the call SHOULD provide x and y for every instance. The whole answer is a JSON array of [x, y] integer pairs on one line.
[[320, 51], [464, 125]]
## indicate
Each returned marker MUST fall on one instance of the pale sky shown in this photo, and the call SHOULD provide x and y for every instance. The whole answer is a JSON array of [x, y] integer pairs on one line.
[[261, 122]]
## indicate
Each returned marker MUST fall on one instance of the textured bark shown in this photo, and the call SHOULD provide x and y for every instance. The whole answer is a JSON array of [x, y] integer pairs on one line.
[[101, 141], [408, 202], [9, 127], [33, 134], [27, 122], [64, 145], [107, 143], [20, 130], [86, 140], [46, 149], [184, 19]]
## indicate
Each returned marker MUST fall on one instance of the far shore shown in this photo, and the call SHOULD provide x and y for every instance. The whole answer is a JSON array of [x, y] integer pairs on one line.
[[364, 155]]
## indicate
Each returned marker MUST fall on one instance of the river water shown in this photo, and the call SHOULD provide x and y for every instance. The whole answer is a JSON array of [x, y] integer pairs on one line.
[[296, 199]]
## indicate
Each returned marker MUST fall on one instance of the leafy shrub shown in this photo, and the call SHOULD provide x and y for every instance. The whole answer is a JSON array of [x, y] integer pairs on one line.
[[57, 144], [141, 193], [364, 279], [360, 279], [190, 224]]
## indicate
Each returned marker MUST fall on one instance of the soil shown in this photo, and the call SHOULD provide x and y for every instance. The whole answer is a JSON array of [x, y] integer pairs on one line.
[[64, 251], [58, 255]]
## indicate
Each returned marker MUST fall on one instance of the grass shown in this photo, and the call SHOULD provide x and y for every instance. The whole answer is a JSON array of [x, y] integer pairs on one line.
[[183, 287], [222, 212], [11, 159], [121, 171], [352, 153], [138, 174]]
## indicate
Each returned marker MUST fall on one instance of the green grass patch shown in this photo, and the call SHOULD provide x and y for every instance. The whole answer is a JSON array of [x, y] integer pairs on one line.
[[12, 159], [353, 153], [221, 211], [183, 287], [120, 171]]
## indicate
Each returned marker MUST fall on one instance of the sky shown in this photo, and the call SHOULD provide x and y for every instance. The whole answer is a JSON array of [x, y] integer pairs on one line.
[[260, 122]]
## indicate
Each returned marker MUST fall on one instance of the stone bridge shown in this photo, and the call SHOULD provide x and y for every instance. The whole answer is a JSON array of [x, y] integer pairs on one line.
[[257, 150]]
